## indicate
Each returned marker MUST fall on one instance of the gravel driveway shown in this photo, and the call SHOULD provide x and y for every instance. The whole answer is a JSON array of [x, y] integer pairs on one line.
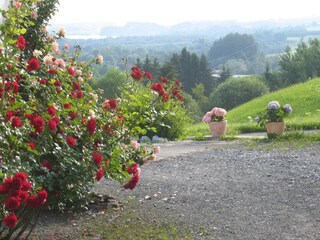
[[232, 190], [225, 190]]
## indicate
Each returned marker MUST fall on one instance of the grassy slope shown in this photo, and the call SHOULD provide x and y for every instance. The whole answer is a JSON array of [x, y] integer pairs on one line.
[[304, 99]]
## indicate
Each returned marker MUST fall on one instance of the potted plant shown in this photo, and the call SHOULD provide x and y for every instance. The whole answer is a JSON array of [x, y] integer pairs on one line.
[[217, 121], [273, 118]]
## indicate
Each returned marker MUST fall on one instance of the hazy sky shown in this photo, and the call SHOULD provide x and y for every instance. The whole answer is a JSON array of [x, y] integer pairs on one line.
[[169, 12]]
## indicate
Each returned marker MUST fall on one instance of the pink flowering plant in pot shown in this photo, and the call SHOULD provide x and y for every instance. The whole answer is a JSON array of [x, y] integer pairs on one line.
[[215, 115], [59, 131], [274, 112]]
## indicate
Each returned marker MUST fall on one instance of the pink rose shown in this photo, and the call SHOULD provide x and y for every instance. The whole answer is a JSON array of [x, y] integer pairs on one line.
[[134, 144]]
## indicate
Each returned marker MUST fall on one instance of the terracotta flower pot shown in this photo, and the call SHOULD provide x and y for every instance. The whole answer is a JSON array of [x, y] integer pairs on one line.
[[275, 128], [218, 129]]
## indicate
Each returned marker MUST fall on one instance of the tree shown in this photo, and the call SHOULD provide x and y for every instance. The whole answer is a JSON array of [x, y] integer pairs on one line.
[[233, 46], [302, 64]]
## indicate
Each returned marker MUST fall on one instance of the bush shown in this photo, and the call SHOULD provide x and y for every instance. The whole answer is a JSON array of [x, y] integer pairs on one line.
[[111, 82], [60, 132], [236, 91], [156, 118]]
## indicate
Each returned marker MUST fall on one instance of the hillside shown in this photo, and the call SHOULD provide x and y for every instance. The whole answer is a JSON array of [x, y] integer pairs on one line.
[[304, 99]]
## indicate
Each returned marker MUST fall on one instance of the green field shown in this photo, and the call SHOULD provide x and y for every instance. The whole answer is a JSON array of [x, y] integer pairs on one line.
[[304, 99]]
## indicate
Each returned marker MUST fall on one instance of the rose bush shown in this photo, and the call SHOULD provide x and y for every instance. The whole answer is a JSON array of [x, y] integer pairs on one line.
[[20, 208], [56, 128]]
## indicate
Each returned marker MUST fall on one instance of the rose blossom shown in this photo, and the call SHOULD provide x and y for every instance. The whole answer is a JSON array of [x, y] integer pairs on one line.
[[134, 144], [12, 203], [62, 32], [99, 59], [91, 125], [48, 60], [33, 64], [71, 141], [54, 46], [97, 158], [11, 220], [99, 174], [37, 53], [133, 168], [21, 43], [157, 150], [15, 122], [34, 15]]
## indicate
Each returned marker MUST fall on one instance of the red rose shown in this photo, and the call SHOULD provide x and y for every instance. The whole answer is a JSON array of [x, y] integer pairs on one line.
[[76, 86], [164, 79], [21, 175], [113, 104], [79, 94], [72, 115], [67, 105], [12, 203], [73, 94], [38, 124], [3, 189], [33, 201], [91, 125], [16, 123], [71, 141], [57, 83], [136, 73], [56, 120], [148, 75], [97, 158], [23, 195], [132, 183], [47, 164], [53, 71], [9, 115], [21, 42], [99, 174], [133, 168], [15, 86], [42, 196], [18, 78], [11, 220], [51, 110], [33, 64], [26, 186], [52, 125], [43, 81], [71, 71], [20, 195]]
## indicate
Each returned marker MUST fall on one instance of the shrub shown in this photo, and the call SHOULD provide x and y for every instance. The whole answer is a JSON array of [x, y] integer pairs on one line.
[[57, 129], [236, 91]]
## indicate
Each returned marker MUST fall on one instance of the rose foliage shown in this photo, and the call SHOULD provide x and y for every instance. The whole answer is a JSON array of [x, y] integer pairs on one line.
[[60, 132]]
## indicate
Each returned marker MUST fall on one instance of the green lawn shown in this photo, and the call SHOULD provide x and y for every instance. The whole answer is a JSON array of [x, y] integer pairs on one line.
[[304, 99]]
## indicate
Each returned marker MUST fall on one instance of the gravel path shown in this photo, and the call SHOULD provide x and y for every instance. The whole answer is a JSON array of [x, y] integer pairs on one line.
[[229, 191], [232, 190]]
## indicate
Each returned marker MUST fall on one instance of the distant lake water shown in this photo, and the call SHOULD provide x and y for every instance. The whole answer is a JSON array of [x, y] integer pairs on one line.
[[88, 37]]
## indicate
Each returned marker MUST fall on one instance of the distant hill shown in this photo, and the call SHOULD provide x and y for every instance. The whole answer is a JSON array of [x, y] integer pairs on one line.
[[217, 28]]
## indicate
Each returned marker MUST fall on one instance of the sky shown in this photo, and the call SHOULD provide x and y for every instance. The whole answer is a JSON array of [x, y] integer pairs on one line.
[[171, 12]]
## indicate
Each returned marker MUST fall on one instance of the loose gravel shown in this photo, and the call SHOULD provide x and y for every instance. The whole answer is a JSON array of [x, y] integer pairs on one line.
[[232, 190]]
